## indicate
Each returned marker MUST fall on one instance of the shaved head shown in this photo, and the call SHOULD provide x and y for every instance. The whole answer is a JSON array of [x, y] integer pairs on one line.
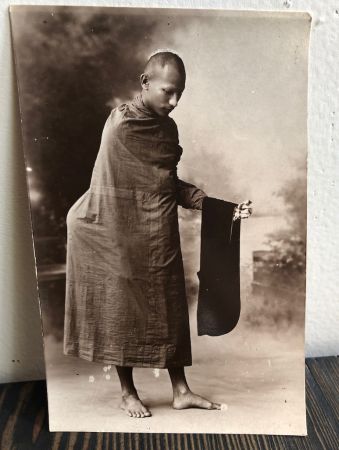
[[163, 82], [162, 59]]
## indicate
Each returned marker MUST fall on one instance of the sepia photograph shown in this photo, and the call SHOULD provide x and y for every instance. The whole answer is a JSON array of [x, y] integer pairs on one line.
[[166, 163]]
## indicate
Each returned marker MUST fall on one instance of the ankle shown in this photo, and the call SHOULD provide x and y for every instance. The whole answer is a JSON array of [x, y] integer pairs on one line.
[[129, 392], [181, 390]]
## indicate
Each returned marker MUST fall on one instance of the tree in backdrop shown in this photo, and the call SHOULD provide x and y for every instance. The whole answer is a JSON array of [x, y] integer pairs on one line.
[[287, 256], [280, 276]]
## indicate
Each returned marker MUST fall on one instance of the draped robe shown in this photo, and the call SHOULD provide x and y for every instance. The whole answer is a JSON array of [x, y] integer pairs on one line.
[[125, 289]]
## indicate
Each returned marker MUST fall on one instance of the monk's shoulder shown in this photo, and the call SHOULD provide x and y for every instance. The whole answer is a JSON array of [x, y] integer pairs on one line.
[[117, 117], [119, 112]]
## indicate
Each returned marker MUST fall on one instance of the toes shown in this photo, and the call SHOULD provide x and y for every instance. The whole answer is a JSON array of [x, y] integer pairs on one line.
[[145, 412], [139, 413], [216, 406], [206, 404], [194, 401]]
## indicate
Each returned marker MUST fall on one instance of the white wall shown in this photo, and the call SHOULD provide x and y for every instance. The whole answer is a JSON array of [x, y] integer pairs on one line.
[[21, 356]]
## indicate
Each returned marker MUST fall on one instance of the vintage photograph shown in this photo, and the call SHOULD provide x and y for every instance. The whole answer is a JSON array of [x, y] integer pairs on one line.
[[165, 154]]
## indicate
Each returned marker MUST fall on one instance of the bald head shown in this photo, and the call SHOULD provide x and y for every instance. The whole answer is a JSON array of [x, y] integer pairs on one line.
[[160, 60], [163, 82]]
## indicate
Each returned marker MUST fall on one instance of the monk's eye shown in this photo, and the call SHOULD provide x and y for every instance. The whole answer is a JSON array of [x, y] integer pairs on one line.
[[166, 91]]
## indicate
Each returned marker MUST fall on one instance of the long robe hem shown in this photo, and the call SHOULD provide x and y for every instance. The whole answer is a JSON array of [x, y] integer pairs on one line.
[[126, 362]]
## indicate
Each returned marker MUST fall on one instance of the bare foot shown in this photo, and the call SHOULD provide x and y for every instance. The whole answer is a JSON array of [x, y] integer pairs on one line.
[[134, 407], [189, 400]]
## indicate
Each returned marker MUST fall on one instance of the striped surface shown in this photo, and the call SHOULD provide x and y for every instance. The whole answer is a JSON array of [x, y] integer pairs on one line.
[[24, 422]]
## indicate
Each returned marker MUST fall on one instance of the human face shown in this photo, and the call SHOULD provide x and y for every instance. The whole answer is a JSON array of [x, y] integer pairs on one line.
[[163, 90]]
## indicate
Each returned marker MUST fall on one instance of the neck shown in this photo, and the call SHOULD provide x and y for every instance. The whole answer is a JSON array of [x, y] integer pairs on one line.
[[144, 101]]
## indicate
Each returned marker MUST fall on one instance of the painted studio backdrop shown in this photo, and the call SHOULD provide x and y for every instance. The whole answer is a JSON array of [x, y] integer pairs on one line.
[[242, 123]]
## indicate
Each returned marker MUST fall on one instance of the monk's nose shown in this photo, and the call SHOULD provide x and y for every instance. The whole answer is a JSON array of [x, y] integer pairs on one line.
[[173, 101]]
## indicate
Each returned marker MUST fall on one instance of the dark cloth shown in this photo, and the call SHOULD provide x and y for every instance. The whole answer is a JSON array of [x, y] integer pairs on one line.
[[219, 287], [125, 288]]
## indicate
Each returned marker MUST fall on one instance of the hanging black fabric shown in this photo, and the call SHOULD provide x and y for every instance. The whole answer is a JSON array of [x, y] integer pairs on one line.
[[219, 275]]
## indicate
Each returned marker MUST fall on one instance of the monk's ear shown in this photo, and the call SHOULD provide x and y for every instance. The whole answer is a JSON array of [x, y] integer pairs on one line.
[[144, 81]]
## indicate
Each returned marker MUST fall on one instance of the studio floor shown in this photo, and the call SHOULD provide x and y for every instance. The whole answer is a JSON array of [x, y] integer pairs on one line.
[[24, 422], [258, 380]]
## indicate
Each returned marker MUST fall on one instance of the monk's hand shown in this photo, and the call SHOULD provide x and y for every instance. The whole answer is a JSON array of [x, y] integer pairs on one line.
[[243, 210]]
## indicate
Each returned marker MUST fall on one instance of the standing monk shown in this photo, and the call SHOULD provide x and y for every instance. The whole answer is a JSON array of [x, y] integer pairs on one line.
[[125, 289]]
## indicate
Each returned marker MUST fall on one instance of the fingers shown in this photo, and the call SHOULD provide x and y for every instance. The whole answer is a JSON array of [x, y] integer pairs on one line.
[[245, 208], [242, 215], [245, 205], [244, 211], [245, 214]]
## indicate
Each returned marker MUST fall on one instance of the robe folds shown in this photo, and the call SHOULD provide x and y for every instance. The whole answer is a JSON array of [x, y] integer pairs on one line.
[[125, 290]]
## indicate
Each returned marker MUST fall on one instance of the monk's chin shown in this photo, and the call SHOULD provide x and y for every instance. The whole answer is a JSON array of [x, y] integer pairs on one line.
[[164, 112]]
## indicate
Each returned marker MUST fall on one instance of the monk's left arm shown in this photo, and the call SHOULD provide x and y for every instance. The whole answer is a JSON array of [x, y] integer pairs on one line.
[[188, 195], [191, 197]]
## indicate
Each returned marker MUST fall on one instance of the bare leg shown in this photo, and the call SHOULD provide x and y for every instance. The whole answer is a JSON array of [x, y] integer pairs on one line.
[[131, 402], [183, 397]]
